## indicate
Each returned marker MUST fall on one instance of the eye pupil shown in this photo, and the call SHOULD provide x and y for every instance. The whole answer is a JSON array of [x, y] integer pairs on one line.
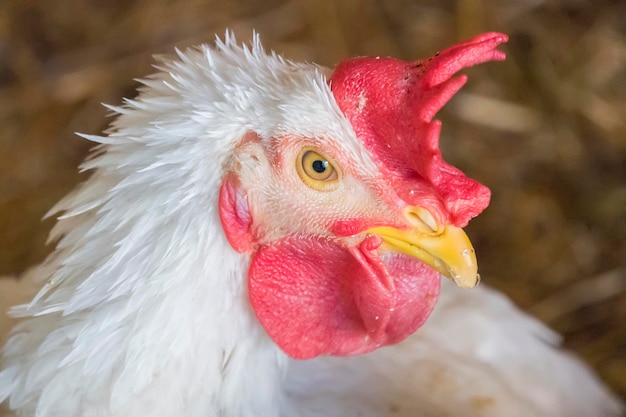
[[319, 166]]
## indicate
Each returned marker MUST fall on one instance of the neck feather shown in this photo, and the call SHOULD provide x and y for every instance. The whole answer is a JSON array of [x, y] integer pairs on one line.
[[143, 306]]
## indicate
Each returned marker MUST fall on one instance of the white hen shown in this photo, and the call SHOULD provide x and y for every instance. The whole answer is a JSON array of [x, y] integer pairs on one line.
[[244, 209]]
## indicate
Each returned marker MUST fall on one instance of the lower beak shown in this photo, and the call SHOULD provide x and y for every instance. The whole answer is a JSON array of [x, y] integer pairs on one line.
[[446, 249]]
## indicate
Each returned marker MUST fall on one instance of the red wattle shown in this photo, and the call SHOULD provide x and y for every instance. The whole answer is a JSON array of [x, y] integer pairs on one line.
[[315, 297], [374, 291]]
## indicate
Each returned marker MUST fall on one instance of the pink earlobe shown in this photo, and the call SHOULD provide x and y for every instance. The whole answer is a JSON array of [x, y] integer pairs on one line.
[[235, 214]]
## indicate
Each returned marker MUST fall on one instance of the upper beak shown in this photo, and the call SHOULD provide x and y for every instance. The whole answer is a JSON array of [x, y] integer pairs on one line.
[[446, 249]]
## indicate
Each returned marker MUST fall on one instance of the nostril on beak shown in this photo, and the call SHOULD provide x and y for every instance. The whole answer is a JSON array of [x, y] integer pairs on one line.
[[423, 220]]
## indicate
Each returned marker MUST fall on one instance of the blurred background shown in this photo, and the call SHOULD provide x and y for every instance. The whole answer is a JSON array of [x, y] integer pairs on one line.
[[545, 130]]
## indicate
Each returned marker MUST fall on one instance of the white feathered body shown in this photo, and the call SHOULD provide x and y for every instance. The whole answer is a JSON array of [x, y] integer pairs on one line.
[[143, 307]]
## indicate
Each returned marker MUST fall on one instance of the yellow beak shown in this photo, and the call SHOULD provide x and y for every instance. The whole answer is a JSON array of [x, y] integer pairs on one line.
[[446, 249]]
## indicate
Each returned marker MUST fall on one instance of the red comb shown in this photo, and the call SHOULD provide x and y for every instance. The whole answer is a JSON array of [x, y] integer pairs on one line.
[[391, 103]]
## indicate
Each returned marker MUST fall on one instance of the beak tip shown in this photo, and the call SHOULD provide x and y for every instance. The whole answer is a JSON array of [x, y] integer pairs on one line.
[[466, 282]]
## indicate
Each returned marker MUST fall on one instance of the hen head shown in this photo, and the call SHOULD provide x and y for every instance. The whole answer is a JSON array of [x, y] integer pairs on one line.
[[350, 226]]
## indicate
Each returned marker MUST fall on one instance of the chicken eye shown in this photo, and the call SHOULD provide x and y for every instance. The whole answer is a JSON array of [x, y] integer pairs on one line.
[[316, 170]]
